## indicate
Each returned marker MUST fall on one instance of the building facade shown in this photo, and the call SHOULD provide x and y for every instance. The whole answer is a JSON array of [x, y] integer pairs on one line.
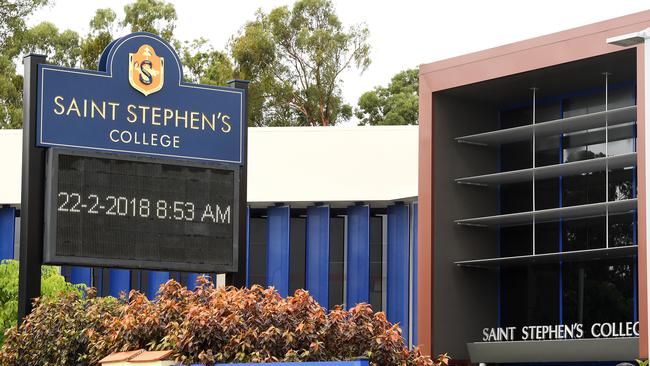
[[532, 200], [510, 227], [331, 210]]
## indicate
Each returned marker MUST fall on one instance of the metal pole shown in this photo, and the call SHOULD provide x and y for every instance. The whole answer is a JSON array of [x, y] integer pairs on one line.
[[646, 224], [238, 279], [606, 161], [533, 154], [32, 195]]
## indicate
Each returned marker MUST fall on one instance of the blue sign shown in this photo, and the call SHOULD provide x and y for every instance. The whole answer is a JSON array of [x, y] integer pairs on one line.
[[138, 103]]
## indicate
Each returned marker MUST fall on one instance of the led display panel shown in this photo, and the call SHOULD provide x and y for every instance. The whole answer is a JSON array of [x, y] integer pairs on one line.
[[140, 213]]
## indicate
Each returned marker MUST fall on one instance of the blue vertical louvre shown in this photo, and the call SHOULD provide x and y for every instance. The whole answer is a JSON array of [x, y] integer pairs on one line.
[[414, 269], [7, 232], [81, 275], [191, 280], [358, 259], [397, 297], [277, 269], [155, 279], [119, 280], [318, 253]]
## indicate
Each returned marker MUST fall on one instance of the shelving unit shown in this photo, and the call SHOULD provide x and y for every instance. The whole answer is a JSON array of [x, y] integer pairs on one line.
[[555, 127], [552, 171], [573, 256], [554, 214], [591, 122]]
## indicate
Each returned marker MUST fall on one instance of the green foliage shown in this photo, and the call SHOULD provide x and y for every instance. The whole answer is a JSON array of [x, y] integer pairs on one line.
[[294, 59], [102, 30], [205, 65], [52, 285], [13, 14], [205, 326], [153, 16], [396, 104], [45, 38], [61, 48], [11, 97], [58, 331], [67, 48]]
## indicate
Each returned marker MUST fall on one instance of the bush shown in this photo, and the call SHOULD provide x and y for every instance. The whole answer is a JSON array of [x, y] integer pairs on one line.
[[57, 330], [209, 325], [52, 283]]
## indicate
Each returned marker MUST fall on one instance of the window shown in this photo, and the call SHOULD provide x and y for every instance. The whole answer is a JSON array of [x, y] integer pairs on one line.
[[582, 291]]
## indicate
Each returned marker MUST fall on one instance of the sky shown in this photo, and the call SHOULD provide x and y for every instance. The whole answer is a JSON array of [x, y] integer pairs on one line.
[[403, 33]]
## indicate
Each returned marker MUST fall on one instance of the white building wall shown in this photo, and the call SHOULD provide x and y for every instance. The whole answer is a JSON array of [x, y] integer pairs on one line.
[[11, 143], [332, 164], [300, 165]]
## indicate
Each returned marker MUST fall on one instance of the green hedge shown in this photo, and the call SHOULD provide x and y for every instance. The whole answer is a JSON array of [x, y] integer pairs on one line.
[[52, 283]]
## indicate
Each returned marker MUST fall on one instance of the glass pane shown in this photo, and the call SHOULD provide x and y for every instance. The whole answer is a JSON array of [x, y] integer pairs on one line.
[[583, 189], [621, 184], [257, 254], [516, 240], [598, 292], [516, 155], [547, 193], [547, 156], [547, 237], [297, 254], [530, 295], [584, 234], [376, 251], [584, 104], [620, 147], [337, 237], [622, 230], [516, 117], [516, 197]]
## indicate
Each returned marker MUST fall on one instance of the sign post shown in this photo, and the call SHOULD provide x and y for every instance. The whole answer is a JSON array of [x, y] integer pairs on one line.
[[32, 195], [238, 279], [131, 167]]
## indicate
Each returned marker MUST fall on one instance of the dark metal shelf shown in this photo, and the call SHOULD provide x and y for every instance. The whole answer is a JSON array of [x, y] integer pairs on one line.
[[574, 256], [562, 125], [554, 214], [551, 171], [555, 351]]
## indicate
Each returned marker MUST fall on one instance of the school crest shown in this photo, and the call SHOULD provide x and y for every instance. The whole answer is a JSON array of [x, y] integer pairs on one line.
[[146, 70]]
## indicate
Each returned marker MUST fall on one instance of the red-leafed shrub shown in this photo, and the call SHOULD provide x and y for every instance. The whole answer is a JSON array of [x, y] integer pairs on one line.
[[218, 325], [56, 332]]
